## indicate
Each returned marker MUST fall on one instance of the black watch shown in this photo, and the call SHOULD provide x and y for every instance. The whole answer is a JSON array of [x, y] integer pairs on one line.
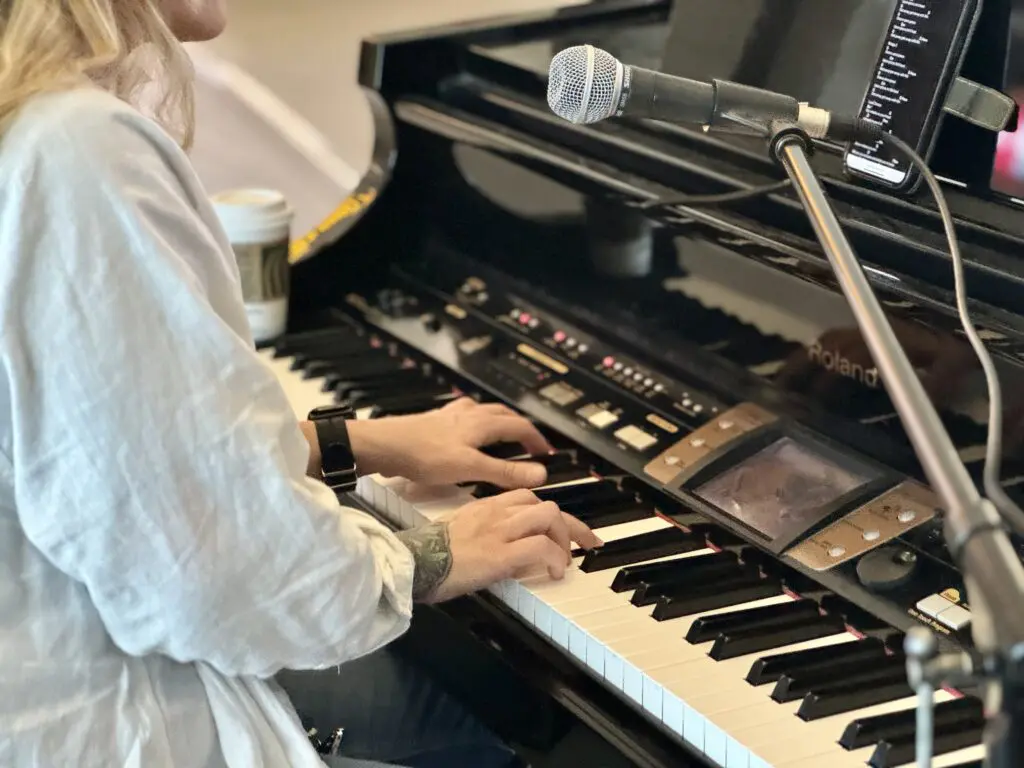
[[337, 461]]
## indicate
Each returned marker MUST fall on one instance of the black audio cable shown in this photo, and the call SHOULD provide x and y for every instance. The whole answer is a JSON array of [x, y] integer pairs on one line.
[[721, 198], [992, 482]]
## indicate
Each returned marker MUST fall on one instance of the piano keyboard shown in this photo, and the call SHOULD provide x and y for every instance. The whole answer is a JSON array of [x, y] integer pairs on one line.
[[705, 636]]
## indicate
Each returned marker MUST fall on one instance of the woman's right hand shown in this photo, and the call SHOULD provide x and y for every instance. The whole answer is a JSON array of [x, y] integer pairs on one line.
[[506, 536]]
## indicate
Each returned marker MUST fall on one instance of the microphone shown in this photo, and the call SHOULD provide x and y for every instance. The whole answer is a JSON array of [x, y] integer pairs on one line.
[[587, 85]]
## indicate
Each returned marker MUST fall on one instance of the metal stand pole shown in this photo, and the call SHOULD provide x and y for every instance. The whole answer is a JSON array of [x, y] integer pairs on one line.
[[972, 525]]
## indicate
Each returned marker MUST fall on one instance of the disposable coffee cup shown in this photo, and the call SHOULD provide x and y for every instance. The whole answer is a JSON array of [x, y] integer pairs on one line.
[[258, 223]]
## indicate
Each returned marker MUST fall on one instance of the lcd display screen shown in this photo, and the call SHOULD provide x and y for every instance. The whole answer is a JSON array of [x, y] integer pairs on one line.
[[782, 490]]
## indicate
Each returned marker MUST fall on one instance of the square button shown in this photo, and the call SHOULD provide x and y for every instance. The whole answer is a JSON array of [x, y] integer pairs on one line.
[[603, 419], [956, 617], [933, 605]]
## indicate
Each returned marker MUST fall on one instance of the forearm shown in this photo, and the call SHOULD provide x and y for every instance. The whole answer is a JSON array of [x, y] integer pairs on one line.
[[432, 558]]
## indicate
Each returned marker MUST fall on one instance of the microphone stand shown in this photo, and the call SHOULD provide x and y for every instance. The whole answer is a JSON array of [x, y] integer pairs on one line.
[[973, 528]]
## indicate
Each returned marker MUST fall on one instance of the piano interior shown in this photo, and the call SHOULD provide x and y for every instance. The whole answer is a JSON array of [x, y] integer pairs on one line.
[[717, 416]]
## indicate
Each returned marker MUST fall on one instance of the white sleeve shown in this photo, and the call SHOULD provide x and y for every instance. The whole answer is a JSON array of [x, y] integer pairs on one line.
[[157, 461]]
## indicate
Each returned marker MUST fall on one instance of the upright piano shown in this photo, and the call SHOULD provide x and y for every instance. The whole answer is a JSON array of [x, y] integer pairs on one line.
[[716, 415]]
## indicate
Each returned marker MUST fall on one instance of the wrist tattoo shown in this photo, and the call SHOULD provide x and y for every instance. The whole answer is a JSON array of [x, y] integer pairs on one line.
[[432, 556]]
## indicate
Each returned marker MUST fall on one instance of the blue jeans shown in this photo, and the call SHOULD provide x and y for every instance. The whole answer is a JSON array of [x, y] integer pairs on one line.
[[395, 715]]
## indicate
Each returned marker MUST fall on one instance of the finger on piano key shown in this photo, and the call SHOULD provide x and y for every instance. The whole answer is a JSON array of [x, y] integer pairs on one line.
[[565, 476], [504, 450], [529, 591]]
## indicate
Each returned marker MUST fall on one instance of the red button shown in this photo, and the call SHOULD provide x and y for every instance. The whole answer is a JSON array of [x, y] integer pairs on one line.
[[609, 362], [559, 336], [524, 319]]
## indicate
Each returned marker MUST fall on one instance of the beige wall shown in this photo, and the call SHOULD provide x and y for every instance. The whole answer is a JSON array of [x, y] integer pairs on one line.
[[305, 51], [278, 103]]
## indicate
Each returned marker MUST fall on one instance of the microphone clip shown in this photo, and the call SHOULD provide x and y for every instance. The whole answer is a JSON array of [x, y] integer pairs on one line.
[[783, 134]]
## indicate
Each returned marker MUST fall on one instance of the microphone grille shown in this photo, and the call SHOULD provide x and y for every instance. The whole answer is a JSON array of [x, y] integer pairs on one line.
[[584, 84]]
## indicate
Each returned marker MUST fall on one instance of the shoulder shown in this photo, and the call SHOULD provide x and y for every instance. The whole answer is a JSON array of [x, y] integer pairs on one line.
[[89, 129], [85, 152]]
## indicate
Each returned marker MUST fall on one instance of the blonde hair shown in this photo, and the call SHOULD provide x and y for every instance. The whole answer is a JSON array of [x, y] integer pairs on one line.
[[123, 45]]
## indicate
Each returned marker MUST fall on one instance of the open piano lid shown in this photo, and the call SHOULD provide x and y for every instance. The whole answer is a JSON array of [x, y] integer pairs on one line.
[[471, 164]]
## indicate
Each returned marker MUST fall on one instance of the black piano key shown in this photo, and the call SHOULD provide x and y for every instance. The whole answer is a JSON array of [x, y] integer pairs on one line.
[[390, 374], [560, 494], [853, 614], [900, 752], [320, 364], [798, 683], [567, 495], [553, 461], [707, 628], [896, 726], [770, 669], [895, 642], [368, 370], [569, 474], [718, 537], [367, 395], [590, 510], [607, 497], [691, 579], [557, 440], [323, 363], [848, 698], [800, 629], [405, 406], [504, 450], [634, 576], [322, 340], [714, 597], [637, 549], [608, 517]]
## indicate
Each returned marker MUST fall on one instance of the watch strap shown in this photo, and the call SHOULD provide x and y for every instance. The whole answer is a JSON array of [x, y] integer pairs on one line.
[[337, 460]]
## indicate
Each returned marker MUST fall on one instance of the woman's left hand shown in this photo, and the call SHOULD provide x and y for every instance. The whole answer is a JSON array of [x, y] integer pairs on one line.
[[443, 446]]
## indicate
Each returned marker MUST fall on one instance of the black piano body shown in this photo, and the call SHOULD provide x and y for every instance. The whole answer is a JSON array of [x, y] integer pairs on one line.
[[543, 264]]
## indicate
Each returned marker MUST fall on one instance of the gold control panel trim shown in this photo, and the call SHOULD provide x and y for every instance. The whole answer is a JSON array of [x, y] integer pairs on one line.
[[696, 446], [881, 520], [539, 357]]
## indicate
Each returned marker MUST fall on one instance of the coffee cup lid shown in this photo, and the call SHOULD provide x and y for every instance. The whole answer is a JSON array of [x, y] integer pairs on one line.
[[242, 211]]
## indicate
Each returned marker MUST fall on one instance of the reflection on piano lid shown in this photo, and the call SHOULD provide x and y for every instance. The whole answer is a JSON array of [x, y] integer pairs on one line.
[[514, 257]]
